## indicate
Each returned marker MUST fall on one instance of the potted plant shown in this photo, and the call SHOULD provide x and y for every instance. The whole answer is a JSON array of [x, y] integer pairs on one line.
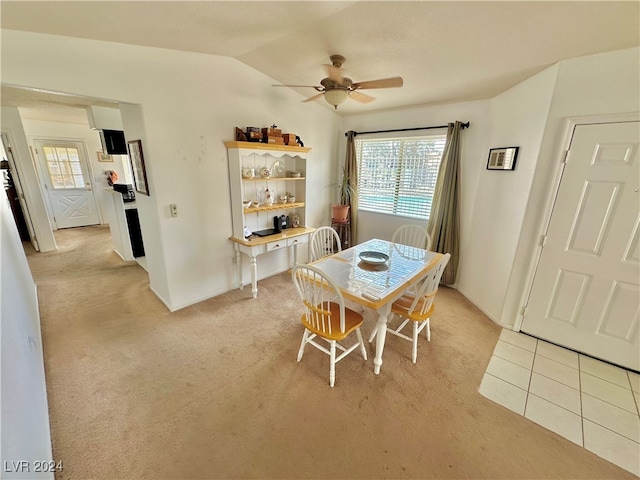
[[340, 212]]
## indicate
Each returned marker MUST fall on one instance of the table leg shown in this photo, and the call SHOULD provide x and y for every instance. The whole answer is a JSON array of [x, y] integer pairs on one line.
[[239, 268], [254, 276], [381, 326]]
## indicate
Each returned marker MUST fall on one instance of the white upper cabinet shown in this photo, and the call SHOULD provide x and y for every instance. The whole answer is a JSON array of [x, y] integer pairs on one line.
[[271, 177]]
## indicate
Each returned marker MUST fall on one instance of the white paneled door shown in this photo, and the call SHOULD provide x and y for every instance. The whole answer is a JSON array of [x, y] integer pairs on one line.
[[586, 295], [66, 180]]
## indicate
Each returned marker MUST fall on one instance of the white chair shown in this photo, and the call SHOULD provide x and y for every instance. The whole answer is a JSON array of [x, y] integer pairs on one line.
[[325, 315], [412, 235], [417, 308], [324, 241]]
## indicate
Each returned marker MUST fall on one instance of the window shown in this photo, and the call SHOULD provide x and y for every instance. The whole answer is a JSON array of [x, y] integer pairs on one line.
[[126, 168], [398, 175], [63, 164]]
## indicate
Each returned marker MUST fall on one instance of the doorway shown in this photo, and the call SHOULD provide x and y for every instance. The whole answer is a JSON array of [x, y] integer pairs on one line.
[[585, 293], [66, 178], [13, 189]]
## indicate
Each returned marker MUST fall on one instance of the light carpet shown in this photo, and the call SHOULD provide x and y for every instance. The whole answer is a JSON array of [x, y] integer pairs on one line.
[[214, 390]]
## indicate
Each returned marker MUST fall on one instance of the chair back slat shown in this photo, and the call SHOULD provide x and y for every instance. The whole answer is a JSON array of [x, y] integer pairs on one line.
[[318, 316], [426, 293], [318, 291], [412, 235], [324, 241]]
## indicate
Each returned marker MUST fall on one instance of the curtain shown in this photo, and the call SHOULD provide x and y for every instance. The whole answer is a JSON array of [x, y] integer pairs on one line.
[[444, 221], [351, 169]]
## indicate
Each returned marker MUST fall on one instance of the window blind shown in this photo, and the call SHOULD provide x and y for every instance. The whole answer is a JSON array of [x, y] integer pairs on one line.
[[126, 168], [398, 175]]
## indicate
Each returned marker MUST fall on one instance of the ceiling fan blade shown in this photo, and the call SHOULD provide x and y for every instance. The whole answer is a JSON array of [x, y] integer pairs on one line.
[[311, 99], [382, 83], [333, 73], [310, 86], [361, 97]]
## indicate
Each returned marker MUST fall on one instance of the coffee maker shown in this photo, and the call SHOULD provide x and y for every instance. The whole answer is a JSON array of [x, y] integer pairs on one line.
[[127, 191]]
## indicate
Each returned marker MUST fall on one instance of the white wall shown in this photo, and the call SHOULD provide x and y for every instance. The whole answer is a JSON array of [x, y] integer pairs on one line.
[[12, 126], [517, 117], [188, 104], [596, 85], [24, 414]]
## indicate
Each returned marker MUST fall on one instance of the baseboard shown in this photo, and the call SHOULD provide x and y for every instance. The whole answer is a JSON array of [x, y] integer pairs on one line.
[[175, 308], [165, 303], [47, 427], [475, 304]]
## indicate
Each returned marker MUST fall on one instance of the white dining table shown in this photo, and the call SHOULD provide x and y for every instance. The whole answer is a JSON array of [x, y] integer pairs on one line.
[[378, 283]]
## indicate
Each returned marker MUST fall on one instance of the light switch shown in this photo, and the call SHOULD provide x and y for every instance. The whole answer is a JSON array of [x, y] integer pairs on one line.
[[174, 209]]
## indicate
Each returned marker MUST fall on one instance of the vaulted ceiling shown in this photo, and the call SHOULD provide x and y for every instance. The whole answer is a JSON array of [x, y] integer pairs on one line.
[[445, 51]]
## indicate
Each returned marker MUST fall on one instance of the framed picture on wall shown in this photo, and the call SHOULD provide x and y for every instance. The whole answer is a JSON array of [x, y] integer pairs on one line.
[[502, 158], [137, 165], [104, 157]]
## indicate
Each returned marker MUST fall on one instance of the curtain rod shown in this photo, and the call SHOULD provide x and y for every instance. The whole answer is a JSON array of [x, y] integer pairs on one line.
[[464, 125]]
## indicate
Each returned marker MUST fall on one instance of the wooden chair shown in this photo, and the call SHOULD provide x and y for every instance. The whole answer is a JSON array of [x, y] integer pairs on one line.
[[325, 315], [417, 308], [412, 235], [324, 241]]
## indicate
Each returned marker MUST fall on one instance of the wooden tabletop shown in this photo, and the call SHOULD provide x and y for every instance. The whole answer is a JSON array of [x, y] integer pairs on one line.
[[288, 233]]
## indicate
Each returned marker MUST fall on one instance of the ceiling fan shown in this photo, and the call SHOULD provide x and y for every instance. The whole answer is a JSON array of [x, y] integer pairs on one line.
[[336, 88]]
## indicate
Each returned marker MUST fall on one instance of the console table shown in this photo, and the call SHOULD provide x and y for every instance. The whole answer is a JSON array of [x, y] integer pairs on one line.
[[254, 246]]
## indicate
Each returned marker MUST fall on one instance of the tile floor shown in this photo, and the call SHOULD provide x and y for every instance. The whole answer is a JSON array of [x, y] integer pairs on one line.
[[589, 402]]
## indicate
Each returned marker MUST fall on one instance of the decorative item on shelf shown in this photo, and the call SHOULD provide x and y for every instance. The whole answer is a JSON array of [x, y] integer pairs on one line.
[[290, 139], [283, 198], [265, 172], [295, 220], [277, 169], [246, 203], [291, 197], [254, 134], [240, 136], [268, 200], [299, 141], [272, 135], [248, 172], [293, 174]]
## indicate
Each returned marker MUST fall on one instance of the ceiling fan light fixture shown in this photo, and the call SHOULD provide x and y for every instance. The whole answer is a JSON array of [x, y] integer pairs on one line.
[[336, 96]]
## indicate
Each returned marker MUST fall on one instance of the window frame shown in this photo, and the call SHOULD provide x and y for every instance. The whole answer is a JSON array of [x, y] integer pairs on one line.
[[404, 165]]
